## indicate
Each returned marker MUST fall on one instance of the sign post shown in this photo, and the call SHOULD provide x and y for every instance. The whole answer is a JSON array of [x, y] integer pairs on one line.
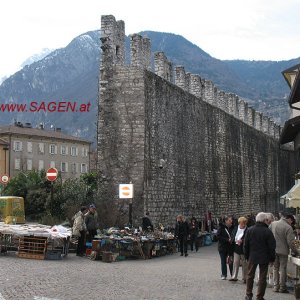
[[126, 192], [51, 175]]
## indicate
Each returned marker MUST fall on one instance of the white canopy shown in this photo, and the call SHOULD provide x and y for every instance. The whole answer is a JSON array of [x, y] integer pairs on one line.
[[293, 196]]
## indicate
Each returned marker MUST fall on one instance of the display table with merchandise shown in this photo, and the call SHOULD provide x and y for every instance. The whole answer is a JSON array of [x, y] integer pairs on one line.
[[117, 244], [35, 240]]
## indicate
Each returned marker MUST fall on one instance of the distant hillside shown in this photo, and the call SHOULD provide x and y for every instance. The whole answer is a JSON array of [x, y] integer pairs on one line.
[[71, 74]]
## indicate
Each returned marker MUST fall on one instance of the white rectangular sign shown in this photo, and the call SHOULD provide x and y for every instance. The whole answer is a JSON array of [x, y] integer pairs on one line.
[[125, 191]]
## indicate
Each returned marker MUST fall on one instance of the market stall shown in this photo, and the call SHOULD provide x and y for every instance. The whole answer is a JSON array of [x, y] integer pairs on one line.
[[35, 240], [114, 244]]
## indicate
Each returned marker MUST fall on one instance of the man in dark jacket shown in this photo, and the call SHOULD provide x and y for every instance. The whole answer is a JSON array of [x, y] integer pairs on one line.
[[146, 223], [91, 221], [259, 249], [181, 233], [225, 246]]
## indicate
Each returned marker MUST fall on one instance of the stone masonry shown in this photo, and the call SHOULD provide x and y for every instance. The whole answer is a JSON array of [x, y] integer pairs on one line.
[[185, 145]]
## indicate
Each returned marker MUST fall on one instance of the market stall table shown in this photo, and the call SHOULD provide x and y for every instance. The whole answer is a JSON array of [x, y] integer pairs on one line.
[[35, 240]]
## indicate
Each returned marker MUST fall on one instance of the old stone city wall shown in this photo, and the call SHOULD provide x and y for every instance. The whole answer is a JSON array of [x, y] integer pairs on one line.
[[187, 146]]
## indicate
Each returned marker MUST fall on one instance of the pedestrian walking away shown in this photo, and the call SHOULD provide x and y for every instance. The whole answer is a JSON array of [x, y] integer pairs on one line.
[[284, 236], [259, 250]]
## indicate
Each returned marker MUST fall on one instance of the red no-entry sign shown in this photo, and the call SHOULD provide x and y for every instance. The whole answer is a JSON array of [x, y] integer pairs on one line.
[[52, 174]]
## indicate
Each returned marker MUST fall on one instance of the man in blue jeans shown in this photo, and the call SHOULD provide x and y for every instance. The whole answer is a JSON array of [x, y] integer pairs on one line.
[[225, 245]]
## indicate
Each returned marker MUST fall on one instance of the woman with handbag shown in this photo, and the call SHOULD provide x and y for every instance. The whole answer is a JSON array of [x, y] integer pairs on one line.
[[225, 245], [238, 235]]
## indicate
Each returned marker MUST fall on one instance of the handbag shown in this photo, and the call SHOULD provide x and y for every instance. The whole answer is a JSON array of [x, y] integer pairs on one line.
[[229, 260]]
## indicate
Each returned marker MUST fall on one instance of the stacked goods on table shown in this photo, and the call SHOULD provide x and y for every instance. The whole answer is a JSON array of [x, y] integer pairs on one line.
[[115, 245], [37, 241]]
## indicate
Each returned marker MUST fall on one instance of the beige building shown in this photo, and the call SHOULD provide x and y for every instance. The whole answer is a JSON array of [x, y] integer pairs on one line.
[[39, 149]]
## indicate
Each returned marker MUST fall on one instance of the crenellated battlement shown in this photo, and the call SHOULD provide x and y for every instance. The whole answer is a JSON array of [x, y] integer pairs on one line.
[[113, 46], [162, 67]]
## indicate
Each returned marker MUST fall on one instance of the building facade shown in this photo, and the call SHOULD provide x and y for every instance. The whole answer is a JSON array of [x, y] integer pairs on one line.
[[39, 149]]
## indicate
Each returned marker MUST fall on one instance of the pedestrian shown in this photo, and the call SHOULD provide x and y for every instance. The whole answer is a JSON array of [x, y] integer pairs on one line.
[[79, 230], [284, 236], [259, 250], [238, 235], [194, 231], [181, 233], [91, 221], [270, 219], [225, 247], [147, 223]]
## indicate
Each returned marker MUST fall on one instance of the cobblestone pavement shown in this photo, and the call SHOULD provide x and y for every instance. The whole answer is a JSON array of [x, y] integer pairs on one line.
[[74, 278]]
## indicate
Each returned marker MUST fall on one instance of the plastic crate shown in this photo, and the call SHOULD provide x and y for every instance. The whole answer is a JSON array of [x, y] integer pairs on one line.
[[53, 254], [107, 257]]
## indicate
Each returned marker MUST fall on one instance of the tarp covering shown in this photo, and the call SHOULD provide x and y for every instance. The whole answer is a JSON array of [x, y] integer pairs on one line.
[[293, 196]]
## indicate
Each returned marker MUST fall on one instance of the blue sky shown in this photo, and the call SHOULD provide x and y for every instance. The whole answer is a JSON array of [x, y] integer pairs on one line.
[[231, 29]]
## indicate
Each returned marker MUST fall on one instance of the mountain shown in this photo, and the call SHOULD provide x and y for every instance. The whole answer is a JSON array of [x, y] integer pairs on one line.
[[36, 57], [71, 74], [66, 74]]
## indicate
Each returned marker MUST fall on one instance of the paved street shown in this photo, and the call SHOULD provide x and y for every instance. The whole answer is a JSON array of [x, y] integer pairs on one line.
[[75, 278]]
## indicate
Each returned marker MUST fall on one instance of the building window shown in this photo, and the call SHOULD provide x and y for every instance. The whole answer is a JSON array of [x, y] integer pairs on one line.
[[17, 164], [17, 146], [29, 147], [52, 164], [52, 149], [64, 167], [41, 165], [74, 168], [74, 151], [41, 148], [29, 164], [83, 168], [64, 150], [84, 152]]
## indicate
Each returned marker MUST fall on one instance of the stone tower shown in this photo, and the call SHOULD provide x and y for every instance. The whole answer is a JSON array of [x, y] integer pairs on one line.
[[121, 120]]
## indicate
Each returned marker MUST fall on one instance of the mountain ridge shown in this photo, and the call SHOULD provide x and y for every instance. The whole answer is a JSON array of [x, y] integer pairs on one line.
[[72, 73]]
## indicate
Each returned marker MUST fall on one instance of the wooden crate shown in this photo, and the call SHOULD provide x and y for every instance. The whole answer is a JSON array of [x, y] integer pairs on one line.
[[32, 247]]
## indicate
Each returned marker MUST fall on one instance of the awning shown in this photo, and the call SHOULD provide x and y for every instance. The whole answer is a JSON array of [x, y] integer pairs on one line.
[[292, 77], [290, 130], [293, 196]]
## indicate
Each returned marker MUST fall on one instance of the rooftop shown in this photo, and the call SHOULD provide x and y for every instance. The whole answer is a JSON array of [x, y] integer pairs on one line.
[[292, 78], [38, 132]]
